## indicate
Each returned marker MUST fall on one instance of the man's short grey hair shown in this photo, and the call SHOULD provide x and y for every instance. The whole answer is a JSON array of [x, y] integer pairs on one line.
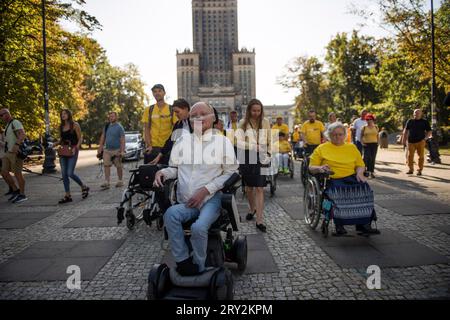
[[333, 127]]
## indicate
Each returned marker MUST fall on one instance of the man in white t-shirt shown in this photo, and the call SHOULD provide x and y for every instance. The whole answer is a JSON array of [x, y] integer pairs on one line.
[[357, 127]]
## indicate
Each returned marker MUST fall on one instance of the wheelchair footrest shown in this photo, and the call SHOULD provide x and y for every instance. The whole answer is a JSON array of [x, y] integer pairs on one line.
[[201, 280]]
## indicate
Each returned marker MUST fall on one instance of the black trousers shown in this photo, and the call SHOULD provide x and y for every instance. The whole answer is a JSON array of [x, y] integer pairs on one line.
[[370, 154]]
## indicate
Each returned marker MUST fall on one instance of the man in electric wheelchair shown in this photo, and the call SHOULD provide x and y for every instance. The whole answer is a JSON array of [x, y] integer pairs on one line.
[[337, 188], [202, 163]]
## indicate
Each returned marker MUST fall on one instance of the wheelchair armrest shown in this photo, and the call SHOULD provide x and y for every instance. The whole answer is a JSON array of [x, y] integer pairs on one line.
[[231, 185]]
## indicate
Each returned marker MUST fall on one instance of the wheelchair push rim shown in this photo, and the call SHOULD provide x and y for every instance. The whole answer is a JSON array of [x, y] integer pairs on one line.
[[312, 203]]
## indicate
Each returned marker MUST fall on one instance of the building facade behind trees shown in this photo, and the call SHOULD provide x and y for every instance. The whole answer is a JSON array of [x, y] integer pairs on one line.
[[216, 70]]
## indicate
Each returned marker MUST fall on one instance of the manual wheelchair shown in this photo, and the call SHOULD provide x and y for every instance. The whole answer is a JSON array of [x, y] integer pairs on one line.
[[304, 167], [291, 167], [351, 204], [142, 201], [217, 282]]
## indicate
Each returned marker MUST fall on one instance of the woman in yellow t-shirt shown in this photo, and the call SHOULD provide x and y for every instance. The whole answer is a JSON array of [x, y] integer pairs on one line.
[[344, 160], [370, 140]]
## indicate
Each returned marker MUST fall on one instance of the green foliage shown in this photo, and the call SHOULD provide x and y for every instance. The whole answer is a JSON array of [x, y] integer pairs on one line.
[[390, 77], [350, 62], [80, 77], [308, 75]]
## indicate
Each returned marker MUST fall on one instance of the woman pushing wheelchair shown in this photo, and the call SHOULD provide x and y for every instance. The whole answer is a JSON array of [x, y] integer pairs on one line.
[[347, 196]]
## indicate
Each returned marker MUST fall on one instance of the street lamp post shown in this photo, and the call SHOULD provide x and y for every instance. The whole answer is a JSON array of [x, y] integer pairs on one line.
[[50, 155], [433, 144]]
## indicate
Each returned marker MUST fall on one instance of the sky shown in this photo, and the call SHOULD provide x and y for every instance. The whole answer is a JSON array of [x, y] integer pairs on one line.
[[147, 33]]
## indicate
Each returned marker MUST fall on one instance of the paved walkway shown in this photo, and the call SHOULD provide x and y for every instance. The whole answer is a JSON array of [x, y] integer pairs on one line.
[[39, 239]]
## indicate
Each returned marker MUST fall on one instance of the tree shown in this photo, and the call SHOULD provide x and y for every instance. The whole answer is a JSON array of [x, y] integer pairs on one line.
[[21, 66], [307, 75], [110, 88], [410, 24], [350, 63]]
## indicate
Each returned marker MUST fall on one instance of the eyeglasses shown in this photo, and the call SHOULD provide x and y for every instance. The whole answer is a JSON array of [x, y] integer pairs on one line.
[[200, 118], [338, 134]]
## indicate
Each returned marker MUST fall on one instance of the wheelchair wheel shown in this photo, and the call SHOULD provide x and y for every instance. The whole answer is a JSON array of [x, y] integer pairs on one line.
[[160, 223], [221, 285], [291, 168], [304, 172], [131, 219], [240, 252], [273, 185], [325, 229], [120, 215], [312, 200], [158, 281]]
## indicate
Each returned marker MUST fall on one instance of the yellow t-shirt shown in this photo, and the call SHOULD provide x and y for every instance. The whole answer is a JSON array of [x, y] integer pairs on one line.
[[312, 132], [161, 127], [369, 135], [343, 160], [283, 128], [296, 136], [231, 133], [283, 146]]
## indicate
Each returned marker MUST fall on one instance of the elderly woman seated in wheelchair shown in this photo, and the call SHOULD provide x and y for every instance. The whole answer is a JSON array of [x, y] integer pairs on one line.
[[337, 188]]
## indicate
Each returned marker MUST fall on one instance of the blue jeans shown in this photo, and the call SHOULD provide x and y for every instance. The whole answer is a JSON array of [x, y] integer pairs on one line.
[[359, 146], [283, 160], [178, 214], [67, 171]]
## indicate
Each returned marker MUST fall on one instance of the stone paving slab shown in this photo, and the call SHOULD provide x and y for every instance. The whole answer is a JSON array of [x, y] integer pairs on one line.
[[294, 210], [113, 200], [259, 258], [95, 218], [390, 249], [22, 220], [48, 260], [414, 207]]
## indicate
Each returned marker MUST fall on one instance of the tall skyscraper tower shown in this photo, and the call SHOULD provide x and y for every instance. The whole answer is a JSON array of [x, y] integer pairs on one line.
[[216, 71]]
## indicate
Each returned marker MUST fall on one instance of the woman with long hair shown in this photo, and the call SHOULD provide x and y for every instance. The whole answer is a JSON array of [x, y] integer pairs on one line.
[[253, 142], [69, 146]]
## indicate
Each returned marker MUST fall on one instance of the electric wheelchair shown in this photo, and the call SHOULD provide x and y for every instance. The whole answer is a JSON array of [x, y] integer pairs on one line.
[[216, 283], [142, 201]]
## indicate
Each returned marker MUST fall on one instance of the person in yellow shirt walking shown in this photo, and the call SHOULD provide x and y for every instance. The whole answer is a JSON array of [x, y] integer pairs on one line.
[[370, 141], [282, 149], [312, 132], [295, 140], [231, 128], [282, 127], [158, 121]]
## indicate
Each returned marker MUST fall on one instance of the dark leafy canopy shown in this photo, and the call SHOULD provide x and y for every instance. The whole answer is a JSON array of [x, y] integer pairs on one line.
[[390, 76], [80, 77], [351, 61]]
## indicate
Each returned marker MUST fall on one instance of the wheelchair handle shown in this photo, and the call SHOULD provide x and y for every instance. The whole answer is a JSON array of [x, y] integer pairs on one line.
[[230, 183]]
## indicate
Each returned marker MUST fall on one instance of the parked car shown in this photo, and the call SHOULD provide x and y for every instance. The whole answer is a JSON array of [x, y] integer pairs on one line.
[[134, 146]]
